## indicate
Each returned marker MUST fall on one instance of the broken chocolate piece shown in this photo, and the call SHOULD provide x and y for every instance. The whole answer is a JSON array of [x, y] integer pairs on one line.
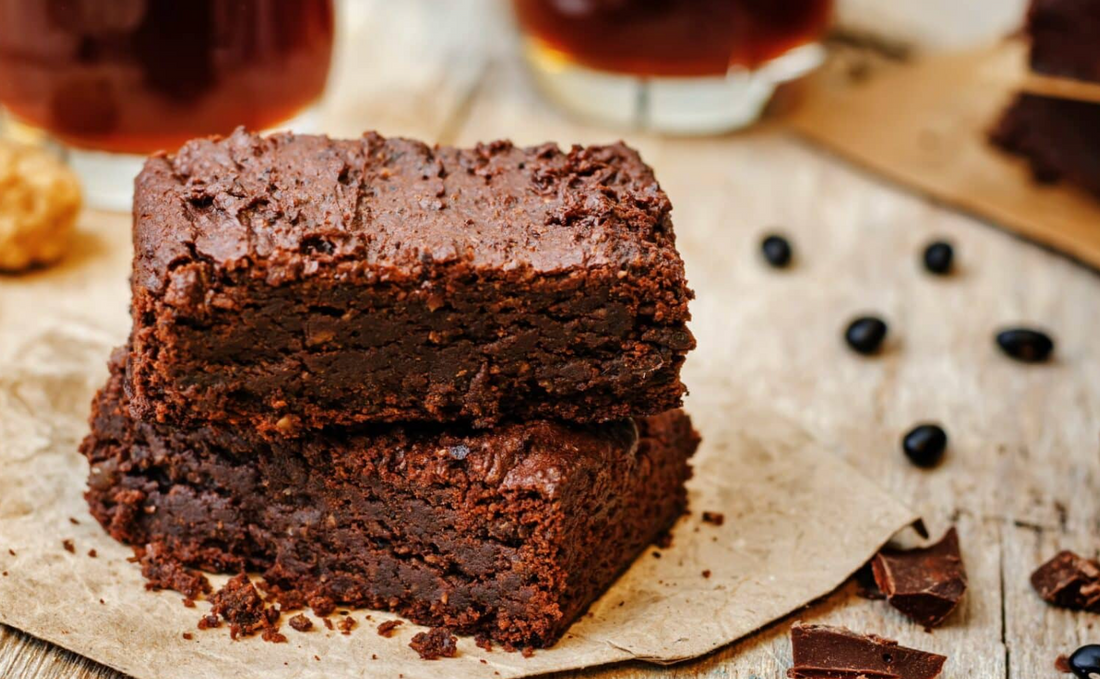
[[1069, 581], [824, 652], [925, 584]]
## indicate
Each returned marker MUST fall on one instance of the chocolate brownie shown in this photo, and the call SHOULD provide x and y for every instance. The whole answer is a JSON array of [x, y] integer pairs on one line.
[[1064, 38], [510, 532], [295, 282], [1059, 137]]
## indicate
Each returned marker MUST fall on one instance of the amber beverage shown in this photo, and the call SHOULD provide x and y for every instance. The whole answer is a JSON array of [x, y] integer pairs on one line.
[[136, 76], [675, 40]]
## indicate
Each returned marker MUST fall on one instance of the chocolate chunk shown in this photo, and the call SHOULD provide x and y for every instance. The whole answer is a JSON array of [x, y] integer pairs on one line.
[[824, 652], [438, 642], [1069, 581], [925, 584]]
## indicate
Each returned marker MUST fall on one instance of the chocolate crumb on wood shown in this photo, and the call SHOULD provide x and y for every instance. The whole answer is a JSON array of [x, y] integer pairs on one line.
[[438, 642], [387, 628], [825, 652], [69, 546], [1069, 581], [927, 583], [346, 625]]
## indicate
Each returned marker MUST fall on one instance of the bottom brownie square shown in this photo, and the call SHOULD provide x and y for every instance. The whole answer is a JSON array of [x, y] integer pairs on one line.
[[1059, 137], [508, 532]]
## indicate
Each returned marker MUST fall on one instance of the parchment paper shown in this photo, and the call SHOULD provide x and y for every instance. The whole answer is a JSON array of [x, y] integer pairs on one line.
[[925, 125], [798, 521]]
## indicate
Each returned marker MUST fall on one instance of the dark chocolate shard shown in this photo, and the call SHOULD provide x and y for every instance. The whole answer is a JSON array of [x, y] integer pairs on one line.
[[824, 652], [926, 584], [1069, 581]]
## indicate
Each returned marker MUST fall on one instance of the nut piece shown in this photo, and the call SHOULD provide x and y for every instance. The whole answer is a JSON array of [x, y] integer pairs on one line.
[[39, 202]]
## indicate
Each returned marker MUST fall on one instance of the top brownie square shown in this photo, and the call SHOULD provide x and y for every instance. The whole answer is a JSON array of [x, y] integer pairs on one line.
[[294, 282], [1065, 38]]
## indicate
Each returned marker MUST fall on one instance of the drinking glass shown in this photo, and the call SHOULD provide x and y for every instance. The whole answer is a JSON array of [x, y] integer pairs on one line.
[[109, 81], [678, 66]]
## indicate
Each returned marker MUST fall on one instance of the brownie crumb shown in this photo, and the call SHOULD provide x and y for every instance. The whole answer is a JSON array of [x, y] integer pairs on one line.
[[240, 605], [438, 642], [386, 629], [92, 553], [188, 602], [103, 602], [346, 625], [209, 621], [12, 552], [271, 634], [300, 623], [527, 651], [322, 606], [328, 623], [706, 573], [162, 571], [69, 546], [484, 642], [188, 636], [714, 518], [664, 540], [5, 574], [74, 521], [656, 555]]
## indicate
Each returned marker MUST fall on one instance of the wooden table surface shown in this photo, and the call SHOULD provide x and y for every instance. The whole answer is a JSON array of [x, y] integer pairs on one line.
[[1023, 469]]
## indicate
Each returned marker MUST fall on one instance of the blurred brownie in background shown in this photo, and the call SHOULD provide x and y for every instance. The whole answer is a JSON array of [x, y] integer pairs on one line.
[[1060, 138], [1065, 38]]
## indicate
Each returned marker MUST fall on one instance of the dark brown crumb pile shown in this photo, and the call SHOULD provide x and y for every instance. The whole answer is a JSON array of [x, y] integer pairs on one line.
[[386, 629], [484, 642], [346, 625], [162, 571], [438, 642], [68, 545], [300, 623], [714, 518], [664, 540], [241, 606], [322, 606]]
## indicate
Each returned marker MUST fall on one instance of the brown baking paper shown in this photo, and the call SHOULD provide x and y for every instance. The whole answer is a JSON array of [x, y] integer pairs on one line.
[[925, 125], [798, 521]]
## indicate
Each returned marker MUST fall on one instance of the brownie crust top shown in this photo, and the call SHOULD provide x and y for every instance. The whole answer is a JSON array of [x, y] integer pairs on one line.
[[287, 205]]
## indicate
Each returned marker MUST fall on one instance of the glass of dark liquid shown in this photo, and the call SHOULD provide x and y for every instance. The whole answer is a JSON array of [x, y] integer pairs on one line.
[[109, 81], [677, 66]]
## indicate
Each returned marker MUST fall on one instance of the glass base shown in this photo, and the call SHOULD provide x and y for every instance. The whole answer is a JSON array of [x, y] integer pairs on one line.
[[107, 179], [683, 106]]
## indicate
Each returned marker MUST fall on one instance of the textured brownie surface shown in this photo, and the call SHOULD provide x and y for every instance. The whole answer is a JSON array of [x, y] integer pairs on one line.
[[1060, 138], [509, 532], [1065, 38], [298, 281]]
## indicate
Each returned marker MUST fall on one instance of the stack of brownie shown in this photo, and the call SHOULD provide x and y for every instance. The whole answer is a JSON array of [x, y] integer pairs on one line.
[[1059, 137], [438, 381]]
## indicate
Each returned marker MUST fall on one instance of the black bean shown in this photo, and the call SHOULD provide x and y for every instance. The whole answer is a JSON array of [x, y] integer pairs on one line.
[[1085, 661], [924, 445], [865, 334], [938, 257], [1025, 344], [777, 250]]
